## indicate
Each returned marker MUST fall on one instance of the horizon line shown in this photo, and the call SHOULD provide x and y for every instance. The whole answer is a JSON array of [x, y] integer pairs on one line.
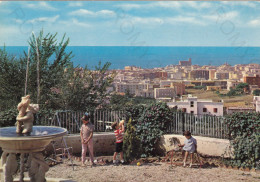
[[129, 46]]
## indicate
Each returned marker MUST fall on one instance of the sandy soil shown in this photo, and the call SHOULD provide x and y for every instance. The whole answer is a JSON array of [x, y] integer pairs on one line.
[[148, 172]]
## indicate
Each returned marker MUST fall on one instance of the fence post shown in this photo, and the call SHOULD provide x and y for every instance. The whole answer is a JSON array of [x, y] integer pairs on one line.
[[183, 122]]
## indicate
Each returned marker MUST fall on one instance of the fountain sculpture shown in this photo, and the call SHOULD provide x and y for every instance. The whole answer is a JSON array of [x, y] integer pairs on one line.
[[26, 140]]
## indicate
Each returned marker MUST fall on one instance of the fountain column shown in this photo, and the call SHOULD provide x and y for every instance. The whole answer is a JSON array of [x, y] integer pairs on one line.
[[13, 144]]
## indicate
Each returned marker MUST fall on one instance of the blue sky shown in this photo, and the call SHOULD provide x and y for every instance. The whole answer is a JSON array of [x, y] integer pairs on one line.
[[125, 23]]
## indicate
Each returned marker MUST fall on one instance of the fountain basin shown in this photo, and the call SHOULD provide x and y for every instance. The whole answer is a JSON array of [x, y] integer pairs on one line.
[[36, 141]]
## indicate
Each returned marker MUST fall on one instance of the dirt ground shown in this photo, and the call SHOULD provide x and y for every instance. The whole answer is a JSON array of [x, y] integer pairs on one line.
[[148, 172]]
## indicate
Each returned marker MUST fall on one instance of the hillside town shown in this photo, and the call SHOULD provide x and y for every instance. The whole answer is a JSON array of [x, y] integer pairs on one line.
[[172, 83]]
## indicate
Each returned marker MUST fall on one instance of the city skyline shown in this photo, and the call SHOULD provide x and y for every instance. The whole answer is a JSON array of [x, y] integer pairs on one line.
[[124, 23]]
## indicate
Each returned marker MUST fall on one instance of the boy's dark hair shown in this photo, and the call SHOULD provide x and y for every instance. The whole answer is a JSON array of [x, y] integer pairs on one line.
[[85, 117], [187, 133], [113, 125]]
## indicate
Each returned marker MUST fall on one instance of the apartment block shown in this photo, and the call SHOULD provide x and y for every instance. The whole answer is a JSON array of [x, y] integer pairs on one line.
[[199, 74], [153, 75], [196, 106], [252, 80], [222, 75], [145, 93], [212, 74], [131, 87], [164, 93]]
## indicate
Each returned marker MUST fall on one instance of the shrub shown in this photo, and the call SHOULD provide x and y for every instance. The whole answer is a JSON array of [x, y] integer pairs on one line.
[[244, 135], [256, 92], [145, 127], [8, 117], [134, 113], [131, 144], [151, 126]]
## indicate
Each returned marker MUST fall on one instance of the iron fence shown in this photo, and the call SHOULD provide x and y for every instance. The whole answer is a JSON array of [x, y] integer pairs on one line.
[[201, 125], [71, 120]]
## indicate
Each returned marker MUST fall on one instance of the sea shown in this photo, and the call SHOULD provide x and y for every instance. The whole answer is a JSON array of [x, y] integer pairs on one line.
[[153, 57]]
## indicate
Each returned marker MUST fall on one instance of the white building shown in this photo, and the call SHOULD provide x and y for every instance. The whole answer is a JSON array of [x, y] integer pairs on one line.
[[194, 105], [131, 87], [256, 101]]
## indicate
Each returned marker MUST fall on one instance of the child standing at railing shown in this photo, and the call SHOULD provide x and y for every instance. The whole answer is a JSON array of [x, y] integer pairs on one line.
[[86, 135]]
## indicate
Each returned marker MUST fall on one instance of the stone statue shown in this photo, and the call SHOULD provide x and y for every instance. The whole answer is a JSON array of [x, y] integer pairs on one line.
[[22, 107], [25, 117]]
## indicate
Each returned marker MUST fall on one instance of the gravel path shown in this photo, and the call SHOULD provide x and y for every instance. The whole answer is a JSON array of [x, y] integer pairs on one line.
[[150, 172]]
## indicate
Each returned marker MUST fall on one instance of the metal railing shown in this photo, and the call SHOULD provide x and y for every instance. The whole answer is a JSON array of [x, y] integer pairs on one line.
[[201, 125], [71, 120]]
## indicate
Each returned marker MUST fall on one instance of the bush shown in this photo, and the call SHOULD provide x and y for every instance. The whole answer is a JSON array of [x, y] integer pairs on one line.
[[151, 126], [8, 117], [256, 92], [134, 113], [145, 127], [131, 144], [244, 135]]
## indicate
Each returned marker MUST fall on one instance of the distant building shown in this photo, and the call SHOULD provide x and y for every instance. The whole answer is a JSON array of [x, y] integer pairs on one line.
[[203, 83], [212, 74], [175, 76], [132, 68], [185, 63], [153, 75], [231, 110], [232, 84], [130, 87], [195, 106], [235, 76], [164, 93], [213, 88], [222, 75], [179, 86], [199, 74], [145, 93], [256, 101], [252, 80]]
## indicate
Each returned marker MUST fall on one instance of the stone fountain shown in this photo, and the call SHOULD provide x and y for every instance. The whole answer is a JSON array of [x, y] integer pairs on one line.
[[28, 142]]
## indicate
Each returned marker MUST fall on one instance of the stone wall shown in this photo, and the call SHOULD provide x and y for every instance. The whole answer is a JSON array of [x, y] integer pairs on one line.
[[206, 146], [104, 144]]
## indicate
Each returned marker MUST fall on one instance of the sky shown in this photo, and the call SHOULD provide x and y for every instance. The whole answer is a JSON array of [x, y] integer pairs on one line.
[[133, 23]]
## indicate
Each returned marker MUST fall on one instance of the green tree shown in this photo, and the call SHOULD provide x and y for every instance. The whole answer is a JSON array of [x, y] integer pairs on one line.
[[12, 79], [81, 89], [239, 90], [53, 59], [256, 92]]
